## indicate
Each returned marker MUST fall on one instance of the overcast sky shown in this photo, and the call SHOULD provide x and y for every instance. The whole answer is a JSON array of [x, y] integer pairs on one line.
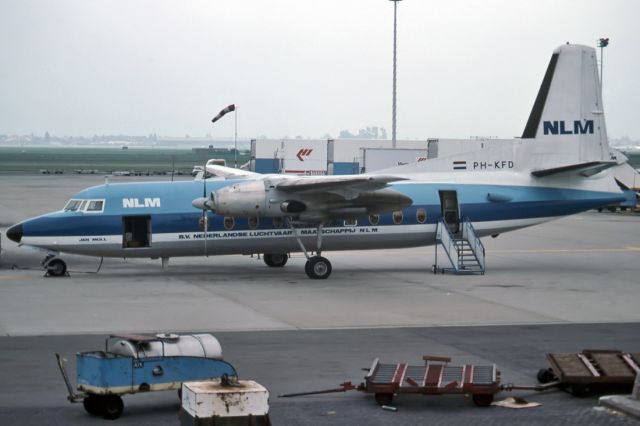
[[300, 67]]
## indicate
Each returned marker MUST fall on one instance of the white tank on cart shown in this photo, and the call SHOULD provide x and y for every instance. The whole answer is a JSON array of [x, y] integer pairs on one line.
[[197, 345]]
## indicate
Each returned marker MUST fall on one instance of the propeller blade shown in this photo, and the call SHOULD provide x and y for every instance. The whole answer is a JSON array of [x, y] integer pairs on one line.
[[204, 206]]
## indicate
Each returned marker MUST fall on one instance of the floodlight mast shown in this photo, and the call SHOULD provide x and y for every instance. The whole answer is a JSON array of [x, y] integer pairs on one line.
[[393, 112]]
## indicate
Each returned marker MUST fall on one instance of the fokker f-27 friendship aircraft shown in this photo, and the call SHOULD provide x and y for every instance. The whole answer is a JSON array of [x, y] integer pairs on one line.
[[558, 167]]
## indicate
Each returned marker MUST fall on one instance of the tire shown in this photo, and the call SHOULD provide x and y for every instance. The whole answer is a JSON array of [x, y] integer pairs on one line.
[[275, 260], [545, 375], [482, 399], [56, 267], [384, 398], [112, 407], [579, 391], [92, 405], [318, 268]]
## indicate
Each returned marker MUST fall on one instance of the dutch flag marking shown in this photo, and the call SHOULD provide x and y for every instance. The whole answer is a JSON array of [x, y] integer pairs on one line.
[[459, 165]]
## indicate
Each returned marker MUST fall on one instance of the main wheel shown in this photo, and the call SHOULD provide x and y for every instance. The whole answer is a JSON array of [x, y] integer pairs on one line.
[[482, 399], [545, 375], [92, 405], [579, 391], [318, 268], [56, 267], [275, 260], [112, 406], [384, 398]]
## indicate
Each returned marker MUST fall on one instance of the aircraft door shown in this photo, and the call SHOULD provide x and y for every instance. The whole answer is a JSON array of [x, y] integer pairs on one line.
[[449, 209], [136, 231]]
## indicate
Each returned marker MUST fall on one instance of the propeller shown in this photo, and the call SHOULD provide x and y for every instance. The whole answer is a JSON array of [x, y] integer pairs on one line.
[[201, 203]]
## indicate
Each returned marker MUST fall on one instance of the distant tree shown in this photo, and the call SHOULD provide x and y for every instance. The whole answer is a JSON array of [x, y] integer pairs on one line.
[[345, 134], [366, 133], [46, 136]]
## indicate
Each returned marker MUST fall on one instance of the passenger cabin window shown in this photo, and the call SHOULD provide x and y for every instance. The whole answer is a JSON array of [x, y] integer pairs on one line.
[[421, 215], [253, 222], [374, 219], [229, 223], [351, 222], [397, 217]]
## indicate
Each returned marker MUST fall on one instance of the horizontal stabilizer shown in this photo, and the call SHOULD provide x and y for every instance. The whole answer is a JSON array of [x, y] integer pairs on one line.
[[584, 169]]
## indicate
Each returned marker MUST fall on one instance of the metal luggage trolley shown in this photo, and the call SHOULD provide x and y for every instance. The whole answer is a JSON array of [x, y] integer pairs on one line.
[[591, 370], [435, 377], [131, 364]]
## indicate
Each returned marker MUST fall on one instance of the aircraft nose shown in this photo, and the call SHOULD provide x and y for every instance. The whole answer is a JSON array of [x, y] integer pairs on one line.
[[14, 233]]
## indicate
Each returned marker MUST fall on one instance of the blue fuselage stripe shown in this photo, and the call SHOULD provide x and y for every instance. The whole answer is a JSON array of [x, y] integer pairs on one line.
[[177, 215]]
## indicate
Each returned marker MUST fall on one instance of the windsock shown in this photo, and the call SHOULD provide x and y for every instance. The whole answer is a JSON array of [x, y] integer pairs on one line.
[[223, 112]]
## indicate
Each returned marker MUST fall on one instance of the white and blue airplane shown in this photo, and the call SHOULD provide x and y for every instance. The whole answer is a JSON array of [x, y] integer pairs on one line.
[[558, 167]]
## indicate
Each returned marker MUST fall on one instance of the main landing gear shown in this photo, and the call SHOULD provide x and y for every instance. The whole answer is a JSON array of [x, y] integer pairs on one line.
[[275, 260], [317, 267]]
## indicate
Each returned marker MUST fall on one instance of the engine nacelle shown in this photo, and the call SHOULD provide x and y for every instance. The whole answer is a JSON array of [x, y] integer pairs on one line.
[[241, 199], [252, 199]]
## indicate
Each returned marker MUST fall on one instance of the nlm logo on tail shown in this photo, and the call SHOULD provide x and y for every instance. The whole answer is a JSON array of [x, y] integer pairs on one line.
[[560, 128], [129, 203]]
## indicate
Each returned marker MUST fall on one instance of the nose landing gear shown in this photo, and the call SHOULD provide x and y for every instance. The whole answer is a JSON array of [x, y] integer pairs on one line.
[[54, 266]]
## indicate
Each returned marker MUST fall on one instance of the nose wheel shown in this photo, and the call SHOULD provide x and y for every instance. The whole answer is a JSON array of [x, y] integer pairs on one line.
[[55, 266]]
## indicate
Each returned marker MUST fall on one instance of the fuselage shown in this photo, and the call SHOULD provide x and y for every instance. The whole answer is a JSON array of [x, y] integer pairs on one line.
[[157, 219]]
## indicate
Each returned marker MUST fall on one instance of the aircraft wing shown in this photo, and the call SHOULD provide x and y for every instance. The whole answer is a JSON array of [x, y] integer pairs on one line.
[[228, 172], [342, 197], [347, 186]]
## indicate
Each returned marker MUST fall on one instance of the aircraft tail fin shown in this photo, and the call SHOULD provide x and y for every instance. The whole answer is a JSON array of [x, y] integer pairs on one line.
[[568, 110]]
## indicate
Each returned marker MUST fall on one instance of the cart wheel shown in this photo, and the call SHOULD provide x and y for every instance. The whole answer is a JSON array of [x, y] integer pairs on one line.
[[579, 391], [545, 375], [92, 405], [384, 398], [482, 399], [112, 406]]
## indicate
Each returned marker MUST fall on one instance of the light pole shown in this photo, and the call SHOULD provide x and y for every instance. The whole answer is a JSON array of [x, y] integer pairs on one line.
[[602, 43], [235, 138], [393, 113]]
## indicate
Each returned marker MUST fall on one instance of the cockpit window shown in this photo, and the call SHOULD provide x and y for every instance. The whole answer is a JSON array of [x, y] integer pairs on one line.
[[85, 206], [72, 205], [95, 205]]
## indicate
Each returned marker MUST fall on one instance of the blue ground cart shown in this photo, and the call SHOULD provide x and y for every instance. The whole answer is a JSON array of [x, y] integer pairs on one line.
[[131, 364]]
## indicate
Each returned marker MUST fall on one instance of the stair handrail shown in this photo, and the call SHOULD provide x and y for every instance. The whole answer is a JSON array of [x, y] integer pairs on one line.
[[469, 234], [445, 238]]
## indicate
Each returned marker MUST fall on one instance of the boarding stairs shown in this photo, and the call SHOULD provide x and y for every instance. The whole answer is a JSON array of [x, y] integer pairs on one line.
[[463, 249]]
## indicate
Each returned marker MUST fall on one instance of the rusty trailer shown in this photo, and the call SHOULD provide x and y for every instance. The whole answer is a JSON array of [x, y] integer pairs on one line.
[[591, 370], [435, 377]]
